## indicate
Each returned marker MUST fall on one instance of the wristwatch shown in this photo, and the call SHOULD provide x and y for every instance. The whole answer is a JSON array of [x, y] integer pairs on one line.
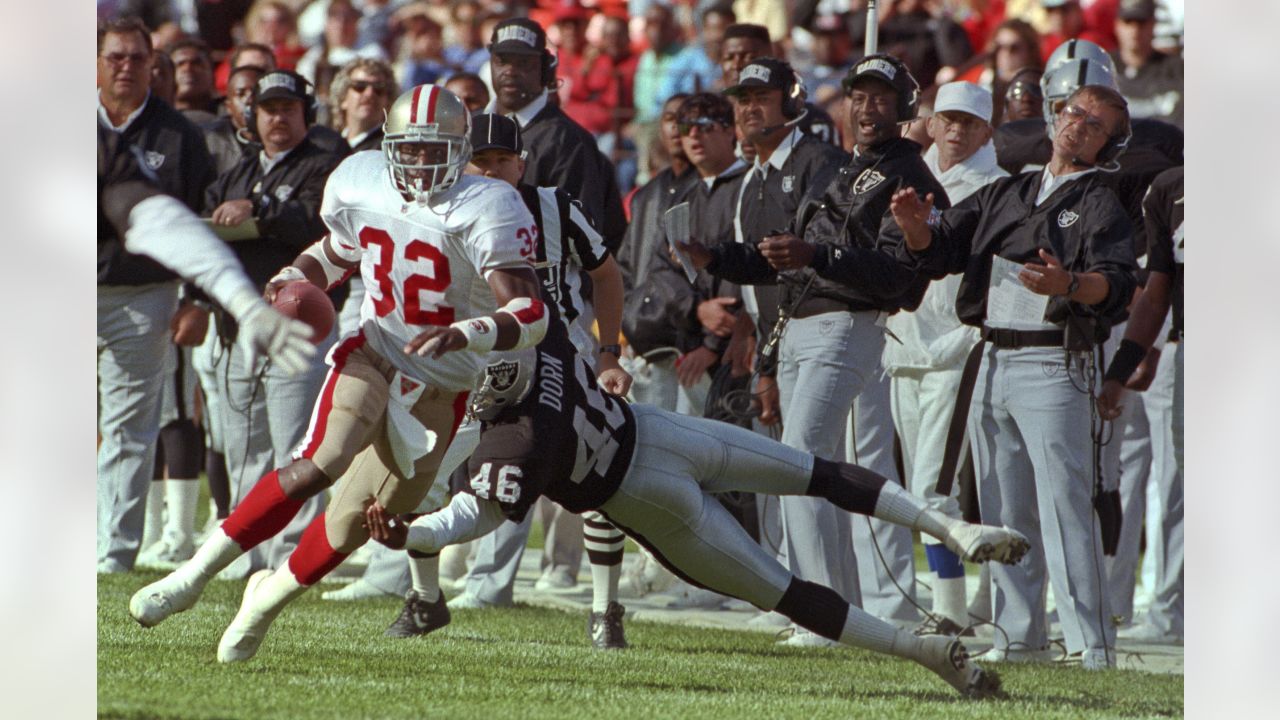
[[614, 350], [1073, 285]]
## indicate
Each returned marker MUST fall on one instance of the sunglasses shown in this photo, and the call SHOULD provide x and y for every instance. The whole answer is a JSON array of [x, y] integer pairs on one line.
[[705, 124], [1024, 89], [361, 85]]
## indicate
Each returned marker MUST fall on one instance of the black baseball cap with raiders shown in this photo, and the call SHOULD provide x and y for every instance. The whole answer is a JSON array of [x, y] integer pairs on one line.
[[490, 131], [282, 84], [518, 36], [765, 72]]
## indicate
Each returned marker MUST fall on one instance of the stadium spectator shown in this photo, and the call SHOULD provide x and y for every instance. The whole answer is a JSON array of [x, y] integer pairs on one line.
[[925, 38], [273, 23], [663, 38], [279, 189], [1151, 81], [137, 297], [1023, 98], [1065, 20], [337, 46], [464, 49], [162, 82], [423, 60], [361, 94], [832, 54], [470, 89], [228, 138], [597, 83], [194, 96]]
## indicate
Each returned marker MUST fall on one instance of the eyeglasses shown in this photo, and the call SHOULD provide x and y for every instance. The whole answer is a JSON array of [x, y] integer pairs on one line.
[[1024, 89], [1093, 124], [360, 86], [705, 124], [119, 59]]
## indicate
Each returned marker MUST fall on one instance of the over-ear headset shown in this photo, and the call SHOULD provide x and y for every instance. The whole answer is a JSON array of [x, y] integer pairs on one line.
[[310, 106], [549, 64]]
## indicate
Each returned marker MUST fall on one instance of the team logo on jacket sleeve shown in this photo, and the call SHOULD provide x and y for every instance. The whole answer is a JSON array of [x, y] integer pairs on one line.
[[1067, 218], [867, 180], [154, 159]]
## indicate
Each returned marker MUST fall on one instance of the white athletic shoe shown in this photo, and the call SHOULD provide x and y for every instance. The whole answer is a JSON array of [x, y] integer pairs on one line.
[[948, 658], [147, 556], [1023, 655], [980, 543], [804, 638], [647, 576], [358, 590], [556, 579], [111, 566], [166, 555], [1098, 659], [769, 621], [170, 594], [690, 597], [246, 632]]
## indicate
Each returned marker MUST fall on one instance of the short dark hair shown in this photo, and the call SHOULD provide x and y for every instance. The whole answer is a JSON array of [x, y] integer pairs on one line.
[[709, 105], [124, 26], [237, 51], [758, 33], [196, 44], [1110, 98], [678, 97], [464, 76], [725, 7], [256, 69]]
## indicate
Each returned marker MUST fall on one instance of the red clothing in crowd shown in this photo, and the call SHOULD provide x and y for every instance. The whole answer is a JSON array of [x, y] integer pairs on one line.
[[287, 57], [590, 94]]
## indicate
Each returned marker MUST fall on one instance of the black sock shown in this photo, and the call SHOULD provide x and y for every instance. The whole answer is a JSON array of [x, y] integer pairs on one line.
[[814, 607], [848, 487]]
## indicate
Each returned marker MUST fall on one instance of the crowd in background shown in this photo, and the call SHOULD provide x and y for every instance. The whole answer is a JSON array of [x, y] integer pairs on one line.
[[622, 69]]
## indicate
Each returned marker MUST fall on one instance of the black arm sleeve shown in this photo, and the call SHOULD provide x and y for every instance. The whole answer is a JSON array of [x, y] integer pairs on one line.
[[741, 263]]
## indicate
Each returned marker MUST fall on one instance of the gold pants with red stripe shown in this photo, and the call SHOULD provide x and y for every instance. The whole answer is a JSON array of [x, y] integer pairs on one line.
[[348, 439]]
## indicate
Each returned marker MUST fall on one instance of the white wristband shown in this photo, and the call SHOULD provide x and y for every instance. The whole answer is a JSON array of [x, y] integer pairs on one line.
[[481, 333], [288, 273]]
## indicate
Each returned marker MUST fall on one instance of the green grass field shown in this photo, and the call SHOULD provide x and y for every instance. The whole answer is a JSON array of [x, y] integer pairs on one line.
[[330, 660]]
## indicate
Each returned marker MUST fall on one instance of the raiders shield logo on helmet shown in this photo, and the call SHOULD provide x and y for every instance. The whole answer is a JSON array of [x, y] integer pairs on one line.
[[1067, 218], [502, 375], [867, 180], [154, 159]]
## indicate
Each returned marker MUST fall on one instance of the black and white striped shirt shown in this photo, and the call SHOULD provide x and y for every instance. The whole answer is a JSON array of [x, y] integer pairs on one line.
[[568, 244]]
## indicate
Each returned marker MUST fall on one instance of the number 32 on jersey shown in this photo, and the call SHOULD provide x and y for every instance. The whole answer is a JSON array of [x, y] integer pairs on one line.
[[423, 294]]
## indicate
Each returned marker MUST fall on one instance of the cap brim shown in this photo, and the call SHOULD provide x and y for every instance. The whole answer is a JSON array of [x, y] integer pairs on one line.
[[475, 148], [509, 47], [744, 86], [276, 93]]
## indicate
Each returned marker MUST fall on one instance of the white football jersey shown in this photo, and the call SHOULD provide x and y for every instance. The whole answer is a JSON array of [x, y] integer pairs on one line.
[[424, 264]]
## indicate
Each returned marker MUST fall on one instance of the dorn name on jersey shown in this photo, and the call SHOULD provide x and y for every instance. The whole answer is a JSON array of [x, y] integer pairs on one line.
[[582, 448]]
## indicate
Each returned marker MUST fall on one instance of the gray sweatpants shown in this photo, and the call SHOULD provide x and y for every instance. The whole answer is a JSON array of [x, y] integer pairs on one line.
[[133, 337], [1029, 429]]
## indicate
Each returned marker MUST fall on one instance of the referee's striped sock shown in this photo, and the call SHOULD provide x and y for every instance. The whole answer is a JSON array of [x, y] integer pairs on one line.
[[604, 544]]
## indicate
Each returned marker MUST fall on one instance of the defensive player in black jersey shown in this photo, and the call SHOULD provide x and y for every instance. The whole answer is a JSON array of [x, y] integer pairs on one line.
[[549, 430]]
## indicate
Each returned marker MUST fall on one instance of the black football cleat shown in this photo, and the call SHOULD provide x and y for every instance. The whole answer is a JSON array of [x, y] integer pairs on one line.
[[605, 629], [419, 617]]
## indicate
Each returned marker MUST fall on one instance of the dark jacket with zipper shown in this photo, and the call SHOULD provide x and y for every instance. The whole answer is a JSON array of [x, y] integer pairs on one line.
[[174, 152], [854, 267], [1081, 223]]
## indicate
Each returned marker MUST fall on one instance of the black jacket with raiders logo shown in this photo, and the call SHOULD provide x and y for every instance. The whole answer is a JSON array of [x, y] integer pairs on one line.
[[567, 439], [1165, 235], [854, 262], [1081, 223], [286, 202], [174, 153]]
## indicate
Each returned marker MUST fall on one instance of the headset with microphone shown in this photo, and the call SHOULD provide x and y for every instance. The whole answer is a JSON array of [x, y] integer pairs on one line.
[[793, 103]]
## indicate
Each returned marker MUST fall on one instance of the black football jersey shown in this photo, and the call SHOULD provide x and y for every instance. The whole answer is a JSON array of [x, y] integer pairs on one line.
[[1165, 234], [567, 439]]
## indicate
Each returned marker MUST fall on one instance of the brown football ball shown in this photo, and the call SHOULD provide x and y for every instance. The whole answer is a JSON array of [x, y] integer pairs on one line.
[[303, 301]]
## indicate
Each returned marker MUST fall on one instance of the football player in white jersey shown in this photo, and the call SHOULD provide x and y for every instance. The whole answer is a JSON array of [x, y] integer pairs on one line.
[[446, 262]]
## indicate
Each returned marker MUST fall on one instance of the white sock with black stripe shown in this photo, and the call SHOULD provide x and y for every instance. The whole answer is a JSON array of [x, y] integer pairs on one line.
[[604, 544]]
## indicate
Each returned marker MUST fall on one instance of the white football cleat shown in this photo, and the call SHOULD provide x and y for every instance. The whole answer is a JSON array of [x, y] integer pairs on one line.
[[246, 632], [948, 658], [171, 594], [980, 543]]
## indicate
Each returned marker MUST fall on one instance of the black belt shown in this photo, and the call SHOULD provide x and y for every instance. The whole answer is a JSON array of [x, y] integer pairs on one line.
[[1001, 338], [1008, 339]]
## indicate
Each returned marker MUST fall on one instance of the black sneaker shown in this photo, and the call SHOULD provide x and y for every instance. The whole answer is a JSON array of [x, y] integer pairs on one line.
[[605, 629], [419, 617], [940, 625]]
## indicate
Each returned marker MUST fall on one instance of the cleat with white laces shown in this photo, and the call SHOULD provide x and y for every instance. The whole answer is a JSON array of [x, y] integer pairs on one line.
[[605, 629], [948, 658], [419, 617], [981, 543], [171, 594]]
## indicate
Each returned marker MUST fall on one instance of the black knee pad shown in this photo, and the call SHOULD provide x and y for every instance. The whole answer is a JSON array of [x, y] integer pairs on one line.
[[814, 607], [848, 487], [219, 484]]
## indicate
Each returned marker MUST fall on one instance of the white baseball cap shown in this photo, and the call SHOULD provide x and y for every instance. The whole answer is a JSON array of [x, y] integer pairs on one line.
[[963, 97]]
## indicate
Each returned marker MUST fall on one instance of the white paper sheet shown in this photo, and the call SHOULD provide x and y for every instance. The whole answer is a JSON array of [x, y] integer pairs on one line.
[[1009, 302]]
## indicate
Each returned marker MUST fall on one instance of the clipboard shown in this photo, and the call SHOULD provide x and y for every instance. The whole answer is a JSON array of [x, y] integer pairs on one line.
[[676, 224], [247, 230]]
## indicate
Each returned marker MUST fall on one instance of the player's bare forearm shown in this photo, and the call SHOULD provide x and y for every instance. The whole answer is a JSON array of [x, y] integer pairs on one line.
[[1147, 317], [606, 300]]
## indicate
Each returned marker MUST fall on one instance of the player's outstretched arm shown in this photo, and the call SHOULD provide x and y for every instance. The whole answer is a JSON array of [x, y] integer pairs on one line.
[[320, 264], [520, 322], [464, 519]]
